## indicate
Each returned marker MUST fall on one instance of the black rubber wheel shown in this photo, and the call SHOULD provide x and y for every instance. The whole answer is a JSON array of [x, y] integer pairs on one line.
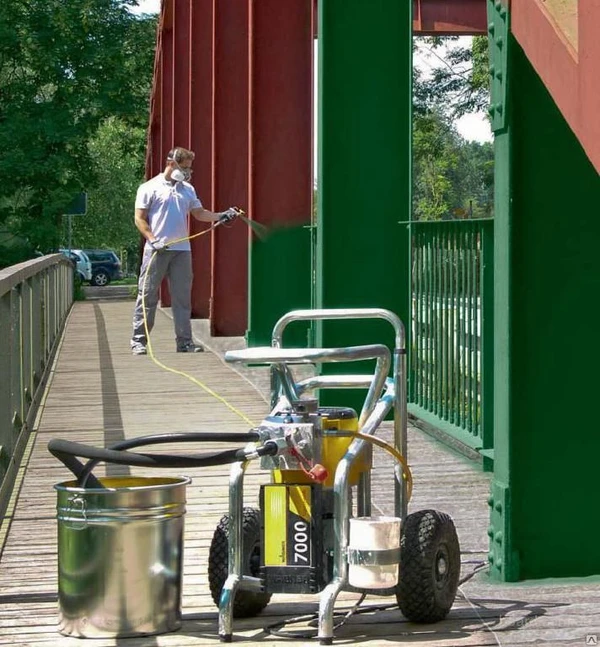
[[246, 603], [100, 278], [429, 566]]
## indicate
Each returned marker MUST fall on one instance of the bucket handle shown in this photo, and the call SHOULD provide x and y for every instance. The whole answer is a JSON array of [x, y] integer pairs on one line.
[[76, 503]]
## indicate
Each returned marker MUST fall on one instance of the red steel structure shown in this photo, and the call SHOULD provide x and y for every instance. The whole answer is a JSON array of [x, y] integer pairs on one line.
[[233, 82], [229, 78], [436, 17]]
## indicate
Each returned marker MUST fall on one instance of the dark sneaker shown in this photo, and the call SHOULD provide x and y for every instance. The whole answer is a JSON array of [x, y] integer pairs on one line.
[[137, 348], [189, 347]]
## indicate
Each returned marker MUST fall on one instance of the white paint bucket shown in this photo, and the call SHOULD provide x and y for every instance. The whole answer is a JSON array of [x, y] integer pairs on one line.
[[374, 552]]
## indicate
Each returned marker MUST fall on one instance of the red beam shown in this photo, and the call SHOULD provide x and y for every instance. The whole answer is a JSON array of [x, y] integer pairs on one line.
[[180, 89], [449, 17], [180, 97], [281, 93], [201, 134], [166, 116], [166, 99], [229, 297]]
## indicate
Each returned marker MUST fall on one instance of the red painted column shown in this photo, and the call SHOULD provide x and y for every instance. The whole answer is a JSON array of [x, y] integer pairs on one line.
[[166, 128], [201, 142], [181, 112], [229, 296], [166, 94], [280, 170]]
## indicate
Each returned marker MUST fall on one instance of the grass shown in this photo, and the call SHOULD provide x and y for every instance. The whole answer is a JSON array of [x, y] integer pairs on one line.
[[128, 280]]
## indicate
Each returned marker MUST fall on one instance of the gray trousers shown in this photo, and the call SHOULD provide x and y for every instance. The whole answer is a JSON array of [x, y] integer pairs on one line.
[[176, 266]]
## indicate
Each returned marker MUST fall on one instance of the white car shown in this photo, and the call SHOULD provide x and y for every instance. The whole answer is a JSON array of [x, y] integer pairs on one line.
[[83, 265]]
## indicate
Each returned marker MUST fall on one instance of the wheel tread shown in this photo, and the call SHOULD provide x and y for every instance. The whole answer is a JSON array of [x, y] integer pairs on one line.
[[423, 532], [247, 603]]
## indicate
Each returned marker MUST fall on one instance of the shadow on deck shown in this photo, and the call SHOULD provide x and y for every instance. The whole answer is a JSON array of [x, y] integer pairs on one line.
[[98, 393]]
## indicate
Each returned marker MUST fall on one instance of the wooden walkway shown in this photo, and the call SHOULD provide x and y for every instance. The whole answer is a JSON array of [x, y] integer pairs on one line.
[[99, 393]]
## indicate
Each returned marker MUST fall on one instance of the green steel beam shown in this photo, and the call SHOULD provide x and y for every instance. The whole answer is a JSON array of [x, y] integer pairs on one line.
[[364, 168], [279, 281], [547, 276]]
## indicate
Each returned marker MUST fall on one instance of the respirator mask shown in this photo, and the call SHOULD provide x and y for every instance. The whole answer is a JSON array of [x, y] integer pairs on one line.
[[180, 174]]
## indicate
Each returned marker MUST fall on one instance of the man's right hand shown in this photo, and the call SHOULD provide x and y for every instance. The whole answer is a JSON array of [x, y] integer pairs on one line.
[[158, 244], [230, 215]]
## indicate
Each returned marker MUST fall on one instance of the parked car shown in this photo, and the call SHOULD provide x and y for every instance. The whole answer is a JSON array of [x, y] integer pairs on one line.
[[83, 265], [106, 266]]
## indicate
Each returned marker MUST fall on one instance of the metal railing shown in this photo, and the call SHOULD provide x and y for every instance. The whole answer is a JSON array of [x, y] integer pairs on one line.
[[452, 307], [35, 298]]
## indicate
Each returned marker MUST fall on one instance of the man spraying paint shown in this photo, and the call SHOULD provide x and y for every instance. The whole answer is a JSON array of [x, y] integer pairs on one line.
[[162, 205]]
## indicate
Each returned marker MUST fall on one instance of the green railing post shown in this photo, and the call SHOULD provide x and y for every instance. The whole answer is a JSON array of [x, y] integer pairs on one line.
[[452, 297], [487, 346]]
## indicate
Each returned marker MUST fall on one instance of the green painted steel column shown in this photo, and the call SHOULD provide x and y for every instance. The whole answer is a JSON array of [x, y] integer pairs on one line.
[[364, 168], [544, 521], [280, 170]]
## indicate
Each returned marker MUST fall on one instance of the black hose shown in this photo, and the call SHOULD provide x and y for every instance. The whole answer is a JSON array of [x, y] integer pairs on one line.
[[157, 439], [66, 451]]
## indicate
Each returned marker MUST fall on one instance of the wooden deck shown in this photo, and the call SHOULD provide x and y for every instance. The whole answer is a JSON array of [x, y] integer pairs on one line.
[[98, 393]]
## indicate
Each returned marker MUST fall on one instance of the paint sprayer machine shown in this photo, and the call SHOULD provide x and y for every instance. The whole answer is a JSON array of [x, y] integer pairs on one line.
[[313, 532]]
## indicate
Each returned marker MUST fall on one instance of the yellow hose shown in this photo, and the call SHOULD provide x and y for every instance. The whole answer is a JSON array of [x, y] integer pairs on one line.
[[406, 473], [203, 386]]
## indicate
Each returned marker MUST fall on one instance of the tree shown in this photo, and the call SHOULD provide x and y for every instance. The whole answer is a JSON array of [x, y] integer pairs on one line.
[[458, 83], [435, 152], [117, 153], [64, 67], [452, 178]]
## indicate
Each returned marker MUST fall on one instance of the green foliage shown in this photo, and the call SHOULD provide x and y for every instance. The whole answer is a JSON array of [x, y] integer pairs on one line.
[[452, 178], [13, 249], [64, 67], [78, 291], [117, 161], [435, 152], [459, 82]]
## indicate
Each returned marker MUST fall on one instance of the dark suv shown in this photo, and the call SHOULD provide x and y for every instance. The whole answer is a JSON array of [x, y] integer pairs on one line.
[[106, 266]]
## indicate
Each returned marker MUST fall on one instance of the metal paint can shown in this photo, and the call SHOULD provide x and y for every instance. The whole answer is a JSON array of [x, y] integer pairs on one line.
[[120, 555]]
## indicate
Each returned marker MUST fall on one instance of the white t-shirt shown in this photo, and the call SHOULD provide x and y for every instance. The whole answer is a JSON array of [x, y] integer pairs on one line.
[[168, 207]]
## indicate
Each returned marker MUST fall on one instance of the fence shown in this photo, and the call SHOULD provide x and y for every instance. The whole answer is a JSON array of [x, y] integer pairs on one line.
[[452, 307], [35, 298]]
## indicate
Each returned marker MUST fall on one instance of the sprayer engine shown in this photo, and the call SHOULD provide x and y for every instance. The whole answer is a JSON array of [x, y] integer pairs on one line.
[[297, 506], [292, 504]]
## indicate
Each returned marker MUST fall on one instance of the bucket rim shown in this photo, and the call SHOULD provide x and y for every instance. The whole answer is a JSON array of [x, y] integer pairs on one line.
[[175, 481], [382, 519]]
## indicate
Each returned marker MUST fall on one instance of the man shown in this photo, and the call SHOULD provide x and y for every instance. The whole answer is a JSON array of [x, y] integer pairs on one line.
[[162, 206]]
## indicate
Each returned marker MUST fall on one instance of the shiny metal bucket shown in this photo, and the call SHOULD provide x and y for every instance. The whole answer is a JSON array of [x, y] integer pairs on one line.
[[120, 553]]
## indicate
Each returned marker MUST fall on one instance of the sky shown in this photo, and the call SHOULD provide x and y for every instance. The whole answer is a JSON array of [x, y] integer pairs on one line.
[[474, 127], [147, 6]]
